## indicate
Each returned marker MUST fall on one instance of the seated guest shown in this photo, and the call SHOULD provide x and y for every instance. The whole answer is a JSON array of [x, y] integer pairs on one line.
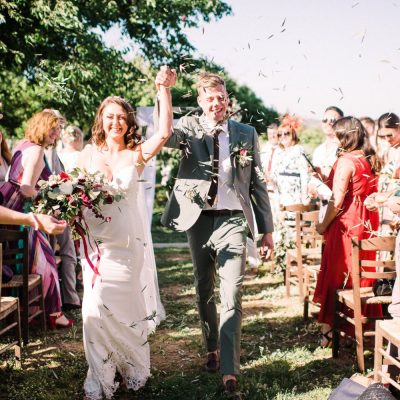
[[27, 167], [351, 180], [67, 252]]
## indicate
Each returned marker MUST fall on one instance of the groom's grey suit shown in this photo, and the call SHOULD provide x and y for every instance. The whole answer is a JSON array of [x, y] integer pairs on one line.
[[218, 236]]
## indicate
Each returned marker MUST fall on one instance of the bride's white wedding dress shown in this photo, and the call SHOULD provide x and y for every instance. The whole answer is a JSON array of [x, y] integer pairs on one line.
[[123, 306]]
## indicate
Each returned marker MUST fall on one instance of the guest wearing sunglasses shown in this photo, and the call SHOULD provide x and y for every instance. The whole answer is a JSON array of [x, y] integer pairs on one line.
[[324, 155], [389, 132], [290, 172]]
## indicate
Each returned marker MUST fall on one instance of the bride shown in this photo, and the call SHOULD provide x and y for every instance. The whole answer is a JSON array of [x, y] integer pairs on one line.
[[121, 304]]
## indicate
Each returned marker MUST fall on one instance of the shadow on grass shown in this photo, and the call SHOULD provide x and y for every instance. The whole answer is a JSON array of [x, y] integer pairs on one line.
[[161, 234]]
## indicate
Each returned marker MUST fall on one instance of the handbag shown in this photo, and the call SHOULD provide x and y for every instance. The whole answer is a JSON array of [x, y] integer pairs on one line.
[[383, 287], [376, 391], [7, 274]]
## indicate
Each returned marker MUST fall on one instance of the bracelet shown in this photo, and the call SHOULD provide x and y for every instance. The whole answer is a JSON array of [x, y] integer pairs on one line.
[[35, 221]]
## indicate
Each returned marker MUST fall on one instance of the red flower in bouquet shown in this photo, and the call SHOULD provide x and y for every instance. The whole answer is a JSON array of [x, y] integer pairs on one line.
[[66, 195]]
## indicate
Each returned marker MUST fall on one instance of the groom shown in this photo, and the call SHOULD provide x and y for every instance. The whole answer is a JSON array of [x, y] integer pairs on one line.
[[216, 192]]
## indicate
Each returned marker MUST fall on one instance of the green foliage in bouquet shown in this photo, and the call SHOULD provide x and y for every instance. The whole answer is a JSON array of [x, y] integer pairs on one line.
[[66, 195]]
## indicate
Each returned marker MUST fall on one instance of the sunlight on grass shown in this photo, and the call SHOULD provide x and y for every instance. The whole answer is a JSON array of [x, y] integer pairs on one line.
[[280, 356], [185, 332]]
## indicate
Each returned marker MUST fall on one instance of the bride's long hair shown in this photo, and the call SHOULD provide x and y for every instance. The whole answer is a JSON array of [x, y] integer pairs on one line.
[[131, 137]]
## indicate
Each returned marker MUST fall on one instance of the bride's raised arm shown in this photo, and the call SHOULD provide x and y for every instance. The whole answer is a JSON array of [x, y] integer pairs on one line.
[[148, 149]]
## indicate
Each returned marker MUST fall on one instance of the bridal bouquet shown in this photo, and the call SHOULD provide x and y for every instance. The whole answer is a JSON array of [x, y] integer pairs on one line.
[[66, 195]]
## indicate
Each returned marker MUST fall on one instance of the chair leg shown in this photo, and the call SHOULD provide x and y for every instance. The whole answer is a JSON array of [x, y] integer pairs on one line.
[[360, 344], [25, 318], [305, 308], [287, 276], [17, 347], [378, 357], [43, 314], [336, 329]]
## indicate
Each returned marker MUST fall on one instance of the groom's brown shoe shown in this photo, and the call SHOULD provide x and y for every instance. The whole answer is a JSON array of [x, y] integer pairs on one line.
[[212, 364], [231, 387]]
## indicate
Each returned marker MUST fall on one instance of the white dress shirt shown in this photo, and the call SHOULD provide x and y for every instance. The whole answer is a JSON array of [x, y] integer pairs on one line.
[[324, 156], [226, 194]]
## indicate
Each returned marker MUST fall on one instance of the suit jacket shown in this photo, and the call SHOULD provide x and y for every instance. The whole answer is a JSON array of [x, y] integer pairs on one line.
[[193, 182]]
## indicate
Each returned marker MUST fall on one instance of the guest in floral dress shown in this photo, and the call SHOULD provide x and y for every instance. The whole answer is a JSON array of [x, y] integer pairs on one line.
[[290, 171], [27, 167]]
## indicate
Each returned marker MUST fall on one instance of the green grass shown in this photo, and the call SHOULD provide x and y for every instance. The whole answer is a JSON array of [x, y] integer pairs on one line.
[[161, 234], [280, 355]]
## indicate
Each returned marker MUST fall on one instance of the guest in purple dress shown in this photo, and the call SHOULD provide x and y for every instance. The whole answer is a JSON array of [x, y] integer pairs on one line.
[[27, 167]]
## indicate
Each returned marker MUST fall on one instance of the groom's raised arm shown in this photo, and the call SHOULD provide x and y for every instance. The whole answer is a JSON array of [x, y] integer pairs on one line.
[[177, 140]]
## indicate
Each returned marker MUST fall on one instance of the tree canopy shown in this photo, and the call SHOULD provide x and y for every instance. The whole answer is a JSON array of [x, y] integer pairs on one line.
[[52, 54]]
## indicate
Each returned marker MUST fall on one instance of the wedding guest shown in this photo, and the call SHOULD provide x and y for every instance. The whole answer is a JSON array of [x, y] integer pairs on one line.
[[5, 158], [121, 303], [213, 200], [290, 171], [72, 140], [66, 251], [324, 155], [352, 179], [27, 167], [268, 154], [370, 128], [389, 132]]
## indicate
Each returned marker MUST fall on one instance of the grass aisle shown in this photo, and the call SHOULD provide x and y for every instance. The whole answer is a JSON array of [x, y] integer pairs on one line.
[[280, 357]]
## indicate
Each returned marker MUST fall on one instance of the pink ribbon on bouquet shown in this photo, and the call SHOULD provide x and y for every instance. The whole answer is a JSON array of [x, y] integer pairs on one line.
[[82, 233]]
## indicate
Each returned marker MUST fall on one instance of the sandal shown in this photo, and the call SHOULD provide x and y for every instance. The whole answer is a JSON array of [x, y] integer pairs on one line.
[[326, 341]]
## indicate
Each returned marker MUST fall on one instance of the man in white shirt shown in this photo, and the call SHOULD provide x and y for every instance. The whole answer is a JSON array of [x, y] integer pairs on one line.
[[216, 192], [324, 155]]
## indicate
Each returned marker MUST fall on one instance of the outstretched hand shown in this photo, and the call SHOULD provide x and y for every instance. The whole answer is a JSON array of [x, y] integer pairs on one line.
[[50, 224], [267, 246], [165, 77]]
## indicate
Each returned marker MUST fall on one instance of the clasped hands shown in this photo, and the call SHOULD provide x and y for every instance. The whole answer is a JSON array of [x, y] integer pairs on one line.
[[379, 199], [166, 77]]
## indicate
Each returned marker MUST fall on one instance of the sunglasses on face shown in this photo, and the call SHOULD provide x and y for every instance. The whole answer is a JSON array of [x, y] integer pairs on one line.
[[329, 121], [280, 134]]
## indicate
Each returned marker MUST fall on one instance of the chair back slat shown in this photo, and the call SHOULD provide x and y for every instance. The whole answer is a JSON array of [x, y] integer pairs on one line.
[[378, 263], [378, 275], [382, 243], [11, 249]]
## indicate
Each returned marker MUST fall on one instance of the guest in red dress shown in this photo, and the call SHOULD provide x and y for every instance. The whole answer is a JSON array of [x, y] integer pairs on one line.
[[352, 179]]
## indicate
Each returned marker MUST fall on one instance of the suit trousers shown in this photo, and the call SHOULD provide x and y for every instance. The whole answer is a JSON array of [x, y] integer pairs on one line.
[[220, 240], [68, 265]]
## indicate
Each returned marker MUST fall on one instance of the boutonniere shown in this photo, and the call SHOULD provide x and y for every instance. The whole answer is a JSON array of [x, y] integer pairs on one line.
[[242, 154]]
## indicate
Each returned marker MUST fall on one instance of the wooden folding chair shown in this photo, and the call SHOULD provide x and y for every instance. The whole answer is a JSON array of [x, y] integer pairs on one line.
[[9, 307], [312, 254], [29, 286], [307, 251], [388, 331], [358, 296]]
